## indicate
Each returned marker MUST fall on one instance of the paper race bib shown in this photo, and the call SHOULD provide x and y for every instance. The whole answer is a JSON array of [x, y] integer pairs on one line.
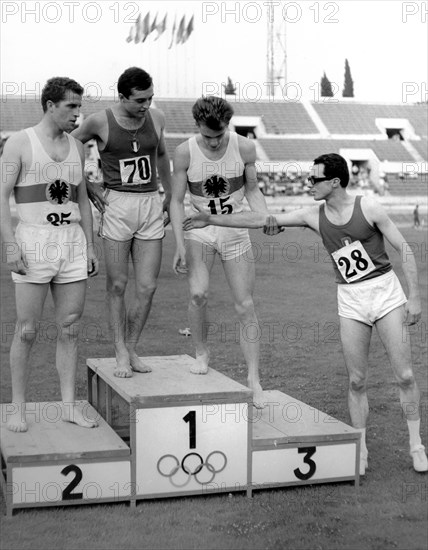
[[353, 261], [135, 170]]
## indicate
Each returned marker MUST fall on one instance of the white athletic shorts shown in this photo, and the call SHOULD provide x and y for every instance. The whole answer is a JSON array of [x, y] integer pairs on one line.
[[229, 242], [53, 254], [132, 215], [370, 300]]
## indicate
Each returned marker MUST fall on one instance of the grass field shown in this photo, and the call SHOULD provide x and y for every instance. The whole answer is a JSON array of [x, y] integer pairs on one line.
[[301, 356]]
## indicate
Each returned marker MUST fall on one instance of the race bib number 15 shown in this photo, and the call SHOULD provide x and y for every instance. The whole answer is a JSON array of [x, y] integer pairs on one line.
[[353, 261], [135, 170]]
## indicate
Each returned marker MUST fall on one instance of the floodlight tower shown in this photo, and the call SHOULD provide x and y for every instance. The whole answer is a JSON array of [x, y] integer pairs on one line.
[[276, 53]]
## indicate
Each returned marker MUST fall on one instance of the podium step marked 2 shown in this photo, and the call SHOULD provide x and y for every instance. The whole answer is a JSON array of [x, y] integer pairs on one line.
[[170, 433], [57, 463]]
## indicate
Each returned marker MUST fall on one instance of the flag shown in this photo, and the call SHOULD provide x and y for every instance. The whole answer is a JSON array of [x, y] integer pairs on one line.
[[188, 31], [161, 27], [154, 24], [137, 25], [146, 27], [131, 35], [173, 33], [180, 32]]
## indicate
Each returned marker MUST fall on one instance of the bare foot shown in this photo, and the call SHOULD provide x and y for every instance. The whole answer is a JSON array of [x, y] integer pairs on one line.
[[72, 413], [136, 364], [123, 367], [259, 401], [201, 364], [17, 422]]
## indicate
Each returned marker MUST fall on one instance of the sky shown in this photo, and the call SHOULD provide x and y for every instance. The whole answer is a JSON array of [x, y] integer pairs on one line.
[[384, 41]]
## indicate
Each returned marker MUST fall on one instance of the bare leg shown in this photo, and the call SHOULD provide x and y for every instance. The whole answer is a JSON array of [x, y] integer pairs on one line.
[[355, 337], [200, 259], [116, 259], [240, 274], [397, 346], [146, 257], [69, 300], [29, 306]]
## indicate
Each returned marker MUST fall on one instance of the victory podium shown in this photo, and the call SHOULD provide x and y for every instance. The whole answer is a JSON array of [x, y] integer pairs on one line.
[[171, 433]]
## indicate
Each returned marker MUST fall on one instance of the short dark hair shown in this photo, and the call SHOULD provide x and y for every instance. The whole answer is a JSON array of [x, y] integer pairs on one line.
[[212, 111], [134, 77], [335, 166], [55, 90]]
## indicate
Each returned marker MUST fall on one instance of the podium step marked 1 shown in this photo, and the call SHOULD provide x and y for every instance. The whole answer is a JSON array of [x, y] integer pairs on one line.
[[170, 433]]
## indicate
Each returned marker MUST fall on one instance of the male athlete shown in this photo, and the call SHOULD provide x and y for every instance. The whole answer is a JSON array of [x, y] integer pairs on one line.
[[132, 149], [218, 168], [53, 243], [369, 293]]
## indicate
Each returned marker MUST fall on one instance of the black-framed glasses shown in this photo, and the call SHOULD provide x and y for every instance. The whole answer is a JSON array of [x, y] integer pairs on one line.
[[313, 181]]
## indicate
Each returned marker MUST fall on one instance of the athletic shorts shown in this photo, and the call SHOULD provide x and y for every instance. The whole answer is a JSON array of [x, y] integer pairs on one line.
[[370, 300], [229, 242], [132, 215], [53, 254]]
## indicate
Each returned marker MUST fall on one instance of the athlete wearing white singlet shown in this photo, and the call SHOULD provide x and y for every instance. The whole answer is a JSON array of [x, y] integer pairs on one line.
[[49, 233], [217, 167], [219, 188], [52, 247]]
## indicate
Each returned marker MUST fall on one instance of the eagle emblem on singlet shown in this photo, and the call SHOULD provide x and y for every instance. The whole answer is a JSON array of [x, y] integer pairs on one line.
[[216, 186], [58, 192]]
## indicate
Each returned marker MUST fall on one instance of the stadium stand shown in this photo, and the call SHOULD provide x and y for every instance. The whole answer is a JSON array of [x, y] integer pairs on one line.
[[392, 136], [359, 118]]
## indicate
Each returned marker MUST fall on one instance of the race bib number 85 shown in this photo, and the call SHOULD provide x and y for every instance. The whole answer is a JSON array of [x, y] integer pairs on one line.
[[353, 261], [135, 170]]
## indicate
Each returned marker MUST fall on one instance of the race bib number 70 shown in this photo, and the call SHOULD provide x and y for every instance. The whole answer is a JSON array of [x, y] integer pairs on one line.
[[135, 170], [353, 261]]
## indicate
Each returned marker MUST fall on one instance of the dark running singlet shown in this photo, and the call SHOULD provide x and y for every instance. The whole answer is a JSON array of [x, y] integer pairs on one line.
[[356, 248], [124, 169]]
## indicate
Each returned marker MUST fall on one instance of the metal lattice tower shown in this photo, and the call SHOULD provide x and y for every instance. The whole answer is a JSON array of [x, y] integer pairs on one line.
[[276, 53]]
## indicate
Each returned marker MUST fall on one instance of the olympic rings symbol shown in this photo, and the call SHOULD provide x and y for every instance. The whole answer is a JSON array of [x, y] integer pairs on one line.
[[189, 469]]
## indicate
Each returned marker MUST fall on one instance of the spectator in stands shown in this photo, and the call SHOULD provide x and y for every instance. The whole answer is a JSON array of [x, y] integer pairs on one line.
[[130, 139], [353, 229]]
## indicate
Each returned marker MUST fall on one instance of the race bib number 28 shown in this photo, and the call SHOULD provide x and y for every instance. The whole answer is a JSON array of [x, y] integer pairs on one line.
[[353, 261], [135, 170]]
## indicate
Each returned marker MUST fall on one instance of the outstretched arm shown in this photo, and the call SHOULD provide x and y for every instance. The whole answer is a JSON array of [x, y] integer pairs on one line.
[[304, 217]]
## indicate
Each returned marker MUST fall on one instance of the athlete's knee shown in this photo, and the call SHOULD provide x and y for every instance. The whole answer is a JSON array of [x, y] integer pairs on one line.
[[198, 298], [145, 291], [245, 308], [27, 330], [68, 327], [358, 383], [117, 286], [406, 379]]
